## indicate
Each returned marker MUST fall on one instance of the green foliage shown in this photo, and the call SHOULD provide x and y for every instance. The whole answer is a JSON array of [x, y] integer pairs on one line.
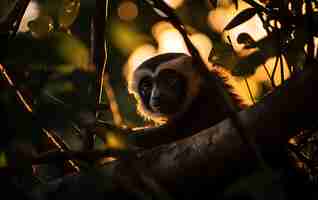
[[63, 12], [126, 38], [41, 26], [3, 160], [51, 67], [57, 48]]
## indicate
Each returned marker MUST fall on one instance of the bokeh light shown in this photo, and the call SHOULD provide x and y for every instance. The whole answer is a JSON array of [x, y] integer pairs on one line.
[[31, 13], [138, 56], [174, 3], [219, 18], [127, 10], [169, 40]]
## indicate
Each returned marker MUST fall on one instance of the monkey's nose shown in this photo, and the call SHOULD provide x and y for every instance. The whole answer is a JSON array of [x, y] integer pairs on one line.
[[155, 103]]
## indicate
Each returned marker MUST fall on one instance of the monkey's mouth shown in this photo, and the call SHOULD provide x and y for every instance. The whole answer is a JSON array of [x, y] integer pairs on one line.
[[156, 106], [163, 107]]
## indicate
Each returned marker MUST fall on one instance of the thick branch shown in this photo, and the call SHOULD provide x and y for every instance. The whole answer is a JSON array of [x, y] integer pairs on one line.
[[213, 157]]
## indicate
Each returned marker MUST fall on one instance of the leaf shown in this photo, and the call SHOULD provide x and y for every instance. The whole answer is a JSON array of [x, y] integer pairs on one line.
[[70, 49], [125, 38], [245, 38], [242, 17], [248, 65], [57, 48], [41, 26], [160, 13], [52, 8], [63, 98], [257, 6], [65, 69], [295, 54], [58, 87], [163, 9], [3, 160], [267, 44], [68, 12], [223, 54]]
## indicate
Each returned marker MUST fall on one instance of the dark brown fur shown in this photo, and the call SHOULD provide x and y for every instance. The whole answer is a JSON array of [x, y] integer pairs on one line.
[[206, 108]]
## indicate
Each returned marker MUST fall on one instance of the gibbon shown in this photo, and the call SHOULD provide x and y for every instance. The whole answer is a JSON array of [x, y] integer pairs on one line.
[[175, 93]]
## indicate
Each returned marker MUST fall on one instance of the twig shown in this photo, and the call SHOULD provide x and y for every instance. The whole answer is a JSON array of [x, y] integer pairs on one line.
[[309, 22], [112, 101], [99, 53], [301, 156], [268, 75], [98, 57], [274, 70], [12, 23], [249, 91], [98, 46], [91, 155], [282, 76], [112, 127], [28, 107], [206, 162]]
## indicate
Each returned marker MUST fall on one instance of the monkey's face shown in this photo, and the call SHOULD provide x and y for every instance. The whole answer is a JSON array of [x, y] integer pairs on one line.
[[164, 86], [164, 93]]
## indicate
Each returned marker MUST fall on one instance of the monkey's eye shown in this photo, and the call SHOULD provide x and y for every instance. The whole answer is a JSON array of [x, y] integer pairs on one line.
[[171, 78], [145, 85]]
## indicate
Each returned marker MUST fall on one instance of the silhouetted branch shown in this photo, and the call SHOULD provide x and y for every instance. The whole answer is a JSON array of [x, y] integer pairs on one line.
[[89, 156], [99, 53], [216, 156], [52, 138], [12, 22]]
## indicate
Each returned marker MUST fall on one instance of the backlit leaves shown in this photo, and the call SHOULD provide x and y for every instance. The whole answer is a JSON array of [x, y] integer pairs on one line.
[[223, 55], [242, 17], [70, 49], [63, 12], [41, 26], [68, 12], [56, 48], [248, 65], [3, 160], [245, 38]]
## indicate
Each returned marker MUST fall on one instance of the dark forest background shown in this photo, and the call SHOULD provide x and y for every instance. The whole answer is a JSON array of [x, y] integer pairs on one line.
[[64, 99]]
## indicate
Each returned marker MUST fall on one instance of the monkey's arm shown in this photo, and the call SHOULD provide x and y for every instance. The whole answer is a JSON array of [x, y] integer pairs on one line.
[[216, 154], [154, 136]]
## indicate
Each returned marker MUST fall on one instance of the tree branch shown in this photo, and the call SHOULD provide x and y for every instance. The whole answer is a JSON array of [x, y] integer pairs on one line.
[[216, 156]]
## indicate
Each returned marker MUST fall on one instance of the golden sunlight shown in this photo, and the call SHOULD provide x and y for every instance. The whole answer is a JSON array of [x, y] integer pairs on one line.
[[113, 141], [31, 13], [220, 17], [138, 56], [174, 3], [170, 40]]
